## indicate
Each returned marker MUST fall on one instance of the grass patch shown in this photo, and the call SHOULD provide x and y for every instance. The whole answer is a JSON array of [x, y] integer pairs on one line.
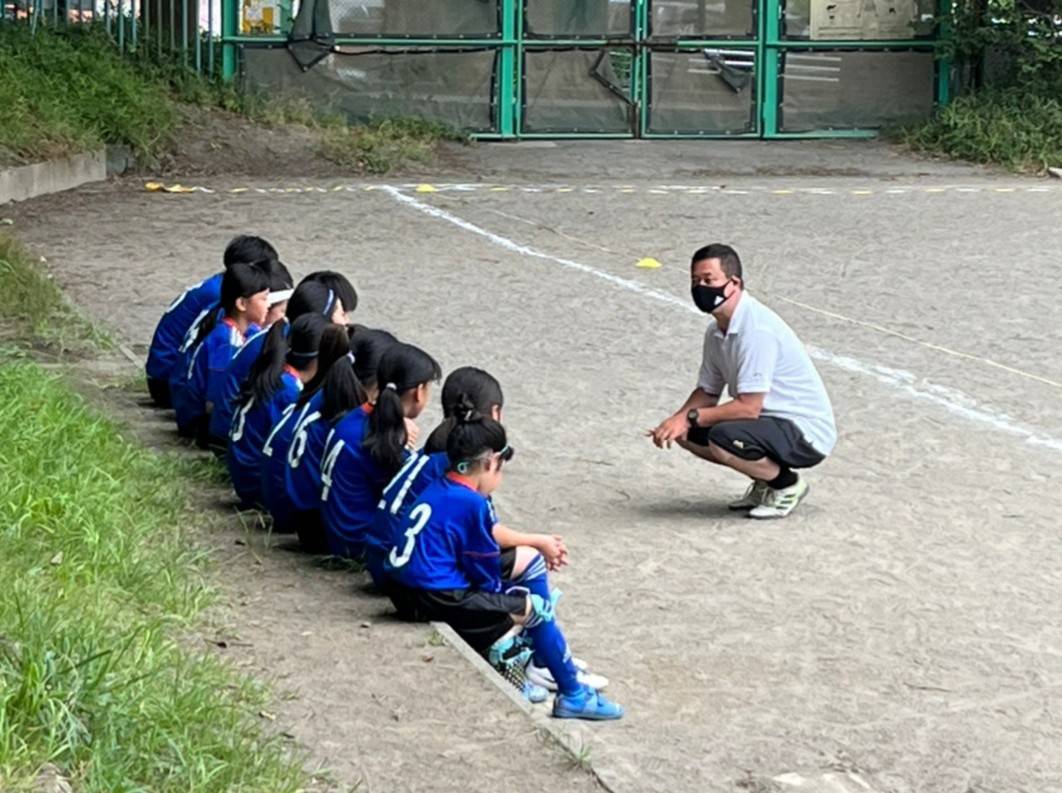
[[382, 146], [1020, 131], [67, 90], [99, 577], [33, 303]]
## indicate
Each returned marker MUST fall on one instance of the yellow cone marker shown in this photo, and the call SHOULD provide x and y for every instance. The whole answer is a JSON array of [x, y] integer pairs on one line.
[[648, 263], [427, 188]]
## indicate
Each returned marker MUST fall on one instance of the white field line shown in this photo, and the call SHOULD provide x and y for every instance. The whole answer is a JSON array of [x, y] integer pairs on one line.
[[955, 402]]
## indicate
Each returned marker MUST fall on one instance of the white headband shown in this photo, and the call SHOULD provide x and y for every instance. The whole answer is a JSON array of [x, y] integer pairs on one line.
[[281, 296]]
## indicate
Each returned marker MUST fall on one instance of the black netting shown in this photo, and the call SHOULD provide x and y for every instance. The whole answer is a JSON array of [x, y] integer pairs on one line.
[[843, 90], [453, 87], [399, 18], [577, 91], [702, 92], [701, 19], [577, 18]]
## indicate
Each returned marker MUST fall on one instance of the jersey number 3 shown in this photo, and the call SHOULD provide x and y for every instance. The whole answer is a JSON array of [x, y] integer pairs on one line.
[[420, 516]]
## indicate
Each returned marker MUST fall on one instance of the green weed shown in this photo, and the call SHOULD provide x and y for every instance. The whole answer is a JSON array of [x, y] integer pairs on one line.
[[385, 145], [33, 303], [67, 90], [99, 576], [1020, 131]]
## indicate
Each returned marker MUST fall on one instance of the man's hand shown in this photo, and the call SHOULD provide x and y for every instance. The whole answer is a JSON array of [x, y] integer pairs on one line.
[[671, 429], [553, 550]]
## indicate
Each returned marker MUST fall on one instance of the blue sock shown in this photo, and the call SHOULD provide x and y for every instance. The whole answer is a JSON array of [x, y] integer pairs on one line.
[[551, 650], [535, 580]]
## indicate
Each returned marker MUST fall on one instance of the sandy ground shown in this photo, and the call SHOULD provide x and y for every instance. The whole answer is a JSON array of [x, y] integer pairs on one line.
[[903, 625]]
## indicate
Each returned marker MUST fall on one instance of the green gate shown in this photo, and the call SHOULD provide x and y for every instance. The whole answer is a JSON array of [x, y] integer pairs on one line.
[[505, 69]]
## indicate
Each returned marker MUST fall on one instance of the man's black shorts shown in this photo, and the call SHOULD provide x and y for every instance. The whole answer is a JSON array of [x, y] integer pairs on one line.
[[768, 436]]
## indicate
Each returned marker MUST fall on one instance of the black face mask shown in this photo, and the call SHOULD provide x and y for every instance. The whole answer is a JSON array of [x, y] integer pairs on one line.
[[709, 298]]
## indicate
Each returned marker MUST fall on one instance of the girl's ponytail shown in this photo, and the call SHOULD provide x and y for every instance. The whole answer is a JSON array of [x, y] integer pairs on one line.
[[264, 378], [402, 368], [342, 391]]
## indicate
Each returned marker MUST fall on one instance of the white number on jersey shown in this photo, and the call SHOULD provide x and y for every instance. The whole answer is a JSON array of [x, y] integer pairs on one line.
[[267, 448], [241, 419], [420, 516], [302, 435], [327, 466], [401, 472]]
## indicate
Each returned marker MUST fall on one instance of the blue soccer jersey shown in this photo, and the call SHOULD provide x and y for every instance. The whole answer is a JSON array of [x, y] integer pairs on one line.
[[302, 463], [351, 484], [401, 493], [205, 372], [239, 369], [163, 355], [448, 540], [274, 456], [250, 427]]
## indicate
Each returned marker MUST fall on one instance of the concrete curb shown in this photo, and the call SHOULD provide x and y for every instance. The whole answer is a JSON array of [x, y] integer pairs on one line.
[[42, 178], [572, 742]]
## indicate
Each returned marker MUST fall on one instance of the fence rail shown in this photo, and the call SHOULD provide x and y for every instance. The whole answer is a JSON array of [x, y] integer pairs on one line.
[[553, 68]]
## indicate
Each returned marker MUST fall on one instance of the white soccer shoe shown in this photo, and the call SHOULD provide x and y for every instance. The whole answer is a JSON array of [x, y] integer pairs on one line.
[[753, 497], [541, 676], [779, 503]]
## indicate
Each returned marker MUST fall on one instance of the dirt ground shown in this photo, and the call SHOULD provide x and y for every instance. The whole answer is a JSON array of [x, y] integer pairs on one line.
[[900, 632]]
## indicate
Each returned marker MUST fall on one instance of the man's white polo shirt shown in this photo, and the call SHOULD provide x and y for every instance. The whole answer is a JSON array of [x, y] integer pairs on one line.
[[760, 354]]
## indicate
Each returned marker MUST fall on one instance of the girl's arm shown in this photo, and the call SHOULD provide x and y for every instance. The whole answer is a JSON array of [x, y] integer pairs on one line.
[[551, 546]]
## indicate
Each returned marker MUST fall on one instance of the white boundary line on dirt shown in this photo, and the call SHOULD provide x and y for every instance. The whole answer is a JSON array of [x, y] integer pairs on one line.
[[952, 400]]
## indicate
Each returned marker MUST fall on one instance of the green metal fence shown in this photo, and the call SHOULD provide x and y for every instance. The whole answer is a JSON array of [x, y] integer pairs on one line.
[[505, 69], [180, 33], [606, 68]]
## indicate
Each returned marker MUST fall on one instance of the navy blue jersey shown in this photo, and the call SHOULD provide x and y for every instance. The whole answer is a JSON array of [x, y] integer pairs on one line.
[[250, 427], [186, 352], [400, 494], [239, 369], [448, 540], [302, 469], [351, 484], [174, 324], [274, 454], [202, 383]]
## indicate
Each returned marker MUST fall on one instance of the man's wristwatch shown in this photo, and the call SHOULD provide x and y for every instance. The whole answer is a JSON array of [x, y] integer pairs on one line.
[[692, 416]]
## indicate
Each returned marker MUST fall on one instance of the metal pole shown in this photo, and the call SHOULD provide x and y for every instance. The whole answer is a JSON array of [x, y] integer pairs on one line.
[[210, 38], [198, 41], [228, 31], [184, 32], [119, 18], [506, 69], [132, 25]]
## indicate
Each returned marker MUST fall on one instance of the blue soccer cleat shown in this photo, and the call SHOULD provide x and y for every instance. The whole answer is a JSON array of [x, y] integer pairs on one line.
[[587, 704]]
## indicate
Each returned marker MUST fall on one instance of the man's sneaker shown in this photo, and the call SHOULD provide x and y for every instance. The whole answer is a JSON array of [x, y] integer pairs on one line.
[[587, 704], [753, 497], [779, 503], [541, 676]]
